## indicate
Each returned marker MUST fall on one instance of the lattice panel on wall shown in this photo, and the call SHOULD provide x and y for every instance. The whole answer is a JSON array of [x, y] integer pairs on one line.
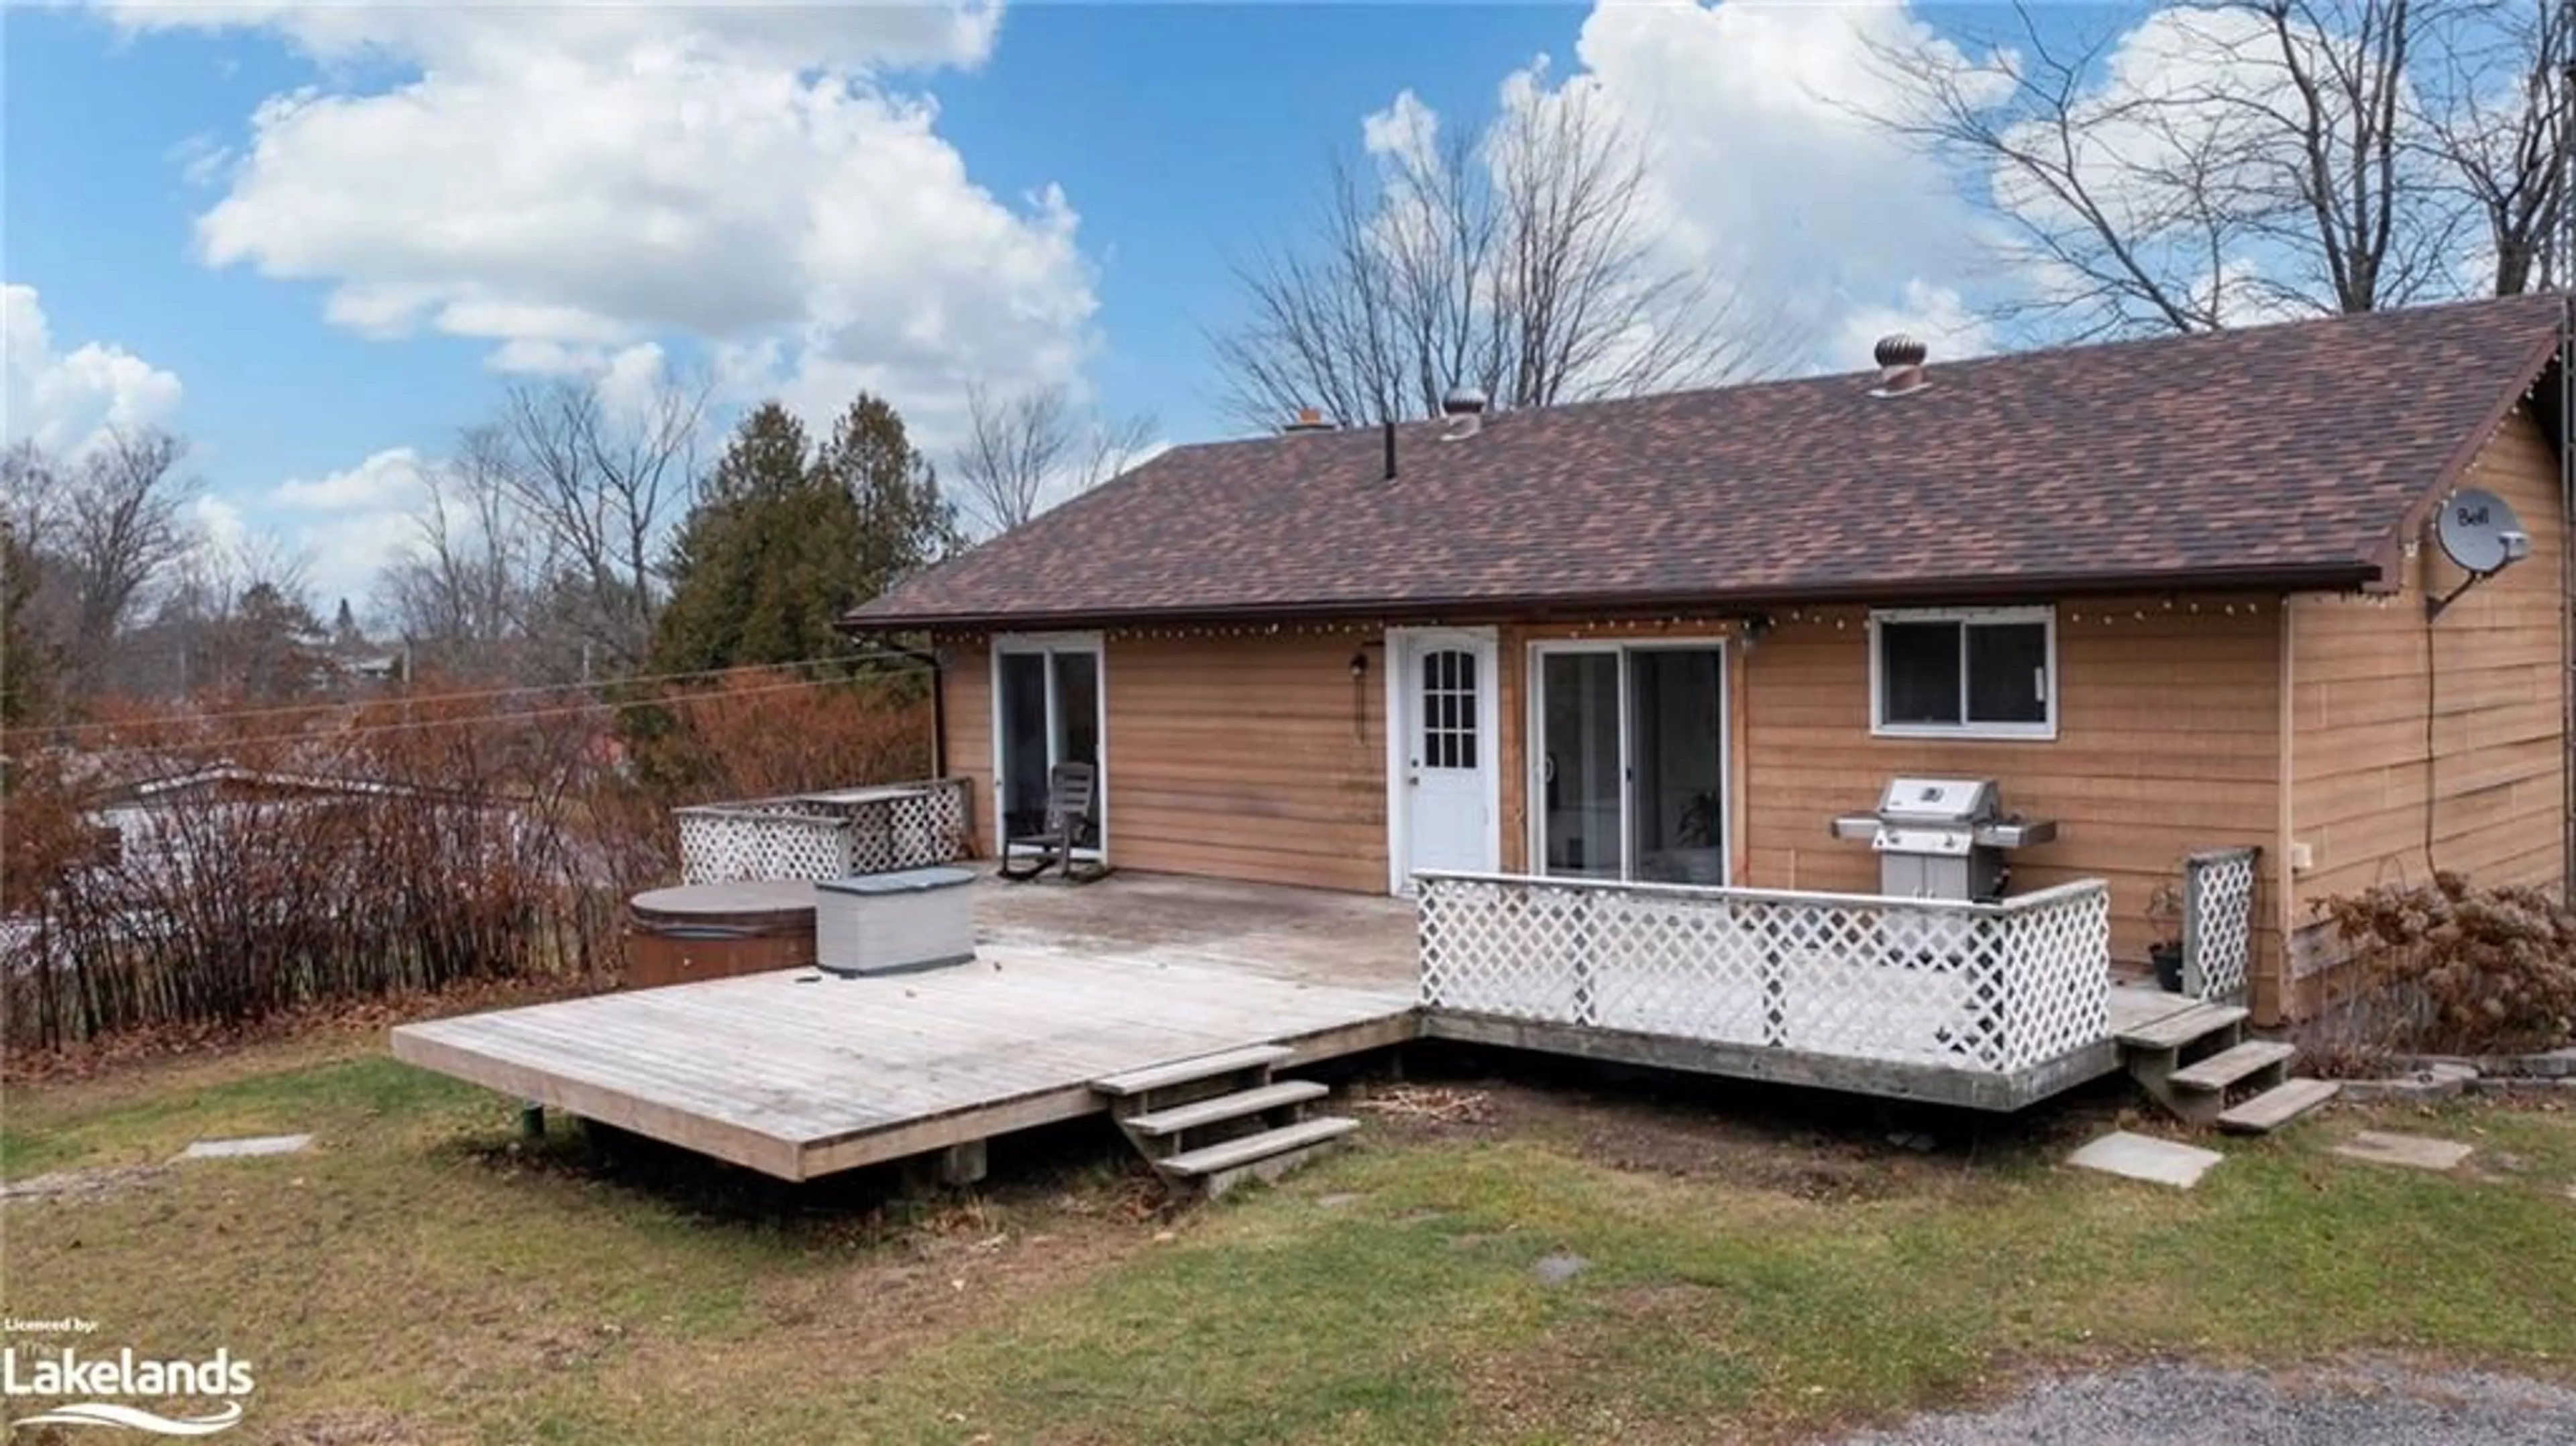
[[1972, 986], [2218, 922], [905, 826]]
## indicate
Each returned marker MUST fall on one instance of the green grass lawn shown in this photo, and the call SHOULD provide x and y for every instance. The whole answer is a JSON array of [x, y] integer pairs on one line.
[[414, 1279]]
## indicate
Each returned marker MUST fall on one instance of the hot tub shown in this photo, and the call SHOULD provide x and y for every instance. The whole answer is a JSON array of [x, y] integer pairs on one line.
[[894, 923], [712, 931]]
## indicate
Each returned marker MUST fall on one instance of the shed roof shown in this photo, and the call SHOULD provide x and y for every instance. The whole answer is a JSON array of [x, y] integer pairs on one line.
[[2290, 455]]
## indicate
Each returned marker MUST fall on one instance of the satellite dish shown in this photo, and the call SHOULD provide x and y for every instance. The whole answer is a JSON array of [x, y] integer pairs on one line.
[[2478, 531]]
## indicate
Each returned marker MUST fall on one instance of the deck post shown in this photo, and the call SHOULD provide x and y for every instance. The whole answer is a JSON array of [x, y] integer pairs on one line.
[[963, 1164], [949, 1167], [532, 1121]]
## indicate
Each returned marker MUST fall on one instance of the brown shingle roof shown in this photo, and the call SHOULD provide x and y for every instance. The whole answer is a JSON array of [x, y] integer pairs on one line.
[[2282, 455]]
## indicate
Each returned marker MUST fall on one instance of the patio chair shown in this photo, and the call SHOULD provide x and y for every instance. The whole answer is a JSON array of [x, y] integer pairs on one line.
[[1069, 787]]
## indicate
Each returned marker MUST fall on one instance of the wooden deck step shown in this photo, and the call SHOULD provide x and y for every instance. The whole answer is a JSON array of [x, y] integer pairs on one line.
[[2230, 1065], [1185, 1071], [2175, 1030], [1251, 1149], [1226, 1107], [2278, 1106]]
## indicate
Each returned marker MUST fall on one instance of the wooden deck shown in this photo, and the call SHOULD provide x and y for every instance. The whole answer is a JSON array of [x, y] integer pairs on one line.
[[797, 1074]]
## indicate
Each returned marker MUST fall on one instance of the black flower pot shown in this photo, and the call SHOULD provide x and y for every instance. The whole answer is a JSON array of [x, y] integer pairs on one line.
[[2168, 962]]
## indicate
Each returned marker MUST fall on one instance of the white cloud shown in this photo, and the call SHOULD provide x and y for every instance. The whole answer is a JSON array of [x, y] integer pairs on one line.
[[65, 402], [1764, 165], [1759, 171], [468, 32], [349, 553], [349, 523], [220, 523], [569, 182], [629, 381], [1937, 316], [391, 478], [1407, 131]]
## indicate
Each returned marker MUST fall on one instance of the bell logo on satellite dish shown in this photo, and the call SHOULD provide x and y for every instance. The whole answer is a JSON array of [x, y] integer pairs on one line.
[[2478, 532]]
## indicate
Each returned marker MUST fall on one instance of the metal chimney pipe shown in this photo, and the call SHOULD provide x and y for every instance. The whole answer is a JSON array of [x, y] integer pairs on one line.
[[1390, 450]]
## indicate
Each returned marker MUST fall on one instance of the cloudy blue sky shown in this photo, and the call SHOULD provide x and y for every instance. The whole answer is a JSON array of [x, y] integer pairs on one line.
[[318, 239]]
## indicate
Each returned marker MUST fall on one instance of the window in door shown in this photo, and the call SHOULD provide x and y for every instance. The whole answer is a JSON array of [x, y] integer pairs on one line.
[[1449, 708], [1630, 766], [1047, 708]]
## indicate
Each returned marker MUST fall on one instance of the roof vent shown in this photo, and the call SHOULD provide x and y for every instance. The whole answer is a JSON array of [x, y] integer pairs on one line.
[[1900, 365], [1465, 409], [1309, 419]]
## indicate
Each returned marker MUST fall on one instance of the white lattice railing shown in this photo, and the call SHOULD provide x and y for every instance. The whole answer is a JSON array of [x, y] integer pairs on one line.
[[826, 835], [1993, 987], [2217, 922]]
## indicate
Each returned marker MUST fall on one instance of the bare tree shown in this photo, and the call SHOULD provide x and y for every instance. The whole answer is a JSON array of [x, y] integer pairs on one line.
[[1111, 447], [2496, 105], [1523, 262], [600, 485], [103, 528], [46, 599], [1029, 450], [2235, 160], [223, 618], [118, 525], [463, 590]]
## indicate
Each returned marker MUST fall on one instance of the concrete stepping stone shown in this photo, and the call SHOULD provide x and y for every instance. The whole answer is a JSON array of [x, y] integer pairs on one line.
[[80, 1185], [2144, 1157], [1559, 1267], [2419, 1152], [252, 1145]]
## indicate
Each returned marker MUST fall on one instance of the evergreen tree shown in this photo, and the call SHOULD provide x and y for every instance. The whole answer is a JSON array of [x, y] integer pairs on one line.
[[905, 523], [345, 634], [271, 649], [787, 537], [761, 565], [29, 664], [769, 454]]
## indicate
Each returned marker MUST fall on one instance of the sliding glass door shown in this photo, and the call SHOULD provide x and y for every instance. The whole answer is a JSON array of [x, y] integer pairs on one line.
[[1578, 768], [1630, 767], [1046, 711]]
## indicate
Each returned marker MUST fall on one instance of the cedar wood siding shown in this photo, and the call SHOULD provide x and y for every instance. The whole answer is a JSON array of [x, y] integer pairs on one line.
[[1259, 758], [1255, 758], [2359, 685], [966, 686], [2168, 741]]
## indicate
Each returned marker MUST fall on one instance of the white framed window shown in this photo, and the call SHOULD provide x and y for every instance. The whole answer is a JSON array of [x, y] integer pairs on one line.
[[1963, 672]]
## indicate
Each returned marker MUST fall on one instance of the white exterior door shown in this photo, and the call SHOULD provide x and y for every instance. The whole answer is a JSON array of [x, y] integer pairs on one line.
[[1441, 758]]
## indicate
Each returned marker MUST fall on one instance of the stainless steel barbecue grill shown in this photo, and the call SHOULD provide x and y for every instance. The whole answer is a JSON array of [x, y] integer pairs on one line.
[[1943, 838]]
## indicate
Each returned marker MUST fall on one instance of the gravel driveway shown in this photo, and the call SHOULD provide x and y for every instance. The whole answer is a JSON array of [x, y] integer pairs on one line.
[[2338, 1405]]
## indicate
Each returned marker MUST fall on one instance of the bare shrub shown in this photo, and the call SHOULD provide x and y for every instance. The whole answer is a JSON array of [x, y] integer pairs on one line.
[[2450, 968], [246, 866], [752, 736]]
